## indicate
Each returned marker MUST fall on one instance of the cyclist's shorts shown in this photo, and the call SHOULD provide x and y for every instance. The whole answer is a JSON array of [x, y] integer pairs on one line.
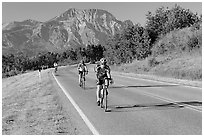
[[102, 81], [81, 72]]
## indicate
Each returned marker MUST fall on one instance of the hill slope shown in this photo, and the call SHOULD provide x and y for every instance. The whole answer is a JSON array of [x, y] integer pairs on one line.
[[178, 54], [73, 28]]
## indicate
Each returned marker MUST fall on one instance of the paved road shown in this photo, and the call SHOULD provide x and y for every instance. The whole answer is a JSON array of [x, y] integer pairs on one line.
[[137, 106]]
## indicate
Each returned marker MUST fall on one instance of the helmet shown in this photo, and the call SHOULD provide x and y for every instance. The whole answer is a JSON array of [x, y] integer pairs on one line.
[[82, 61], [103, 61]]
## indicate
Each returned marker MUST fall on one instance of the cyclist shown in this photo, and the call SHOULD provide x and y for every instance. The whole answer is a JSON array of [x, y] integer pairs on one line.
[[102, 73], [82, 68], [55, 66], [95, 69], [96, 66], [39, 68]]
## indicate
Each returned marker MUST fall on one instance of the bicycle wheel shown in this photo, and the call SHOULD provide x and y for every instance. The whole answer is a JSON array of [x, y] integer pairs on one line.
[[55, 70], [83, 82], [102, 98], [105, 99]]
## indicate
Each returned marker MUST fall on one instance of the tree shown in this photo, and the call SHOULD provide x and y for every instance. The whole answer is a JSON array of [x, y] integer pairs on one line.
[[73, 55], [131, 43], [165, 20]]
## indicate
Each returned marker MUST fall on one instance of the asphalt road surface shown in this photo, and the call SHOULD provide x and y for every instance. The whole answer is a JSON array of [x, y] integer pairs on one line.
[[137, 106]]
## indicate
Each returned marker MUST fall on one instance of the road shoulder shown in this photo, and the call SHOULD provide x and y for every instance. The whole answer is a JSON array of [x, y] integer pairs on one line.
[[73, 114]]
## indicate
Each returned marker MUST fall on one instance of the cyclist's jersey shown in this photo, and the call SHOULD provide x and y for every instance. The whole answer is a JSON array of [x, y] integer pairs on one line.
[[82, 67], [102, 73], [95, 67]]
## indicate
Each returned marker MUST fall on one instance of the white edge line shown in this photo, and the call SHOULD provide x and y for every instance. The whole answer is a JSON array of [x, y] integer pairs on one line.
[[157, 81], [83, 116]]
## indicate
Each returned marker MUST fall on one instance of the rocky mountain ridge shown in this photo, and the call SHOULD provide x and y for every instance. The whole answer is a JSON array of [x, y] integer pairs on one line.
[[73, 28]]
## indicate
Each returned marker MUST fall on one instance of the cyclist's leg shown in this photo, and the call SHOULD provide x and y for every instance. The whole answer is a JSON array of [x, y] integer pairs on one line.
[[80, 76], [98, 93], [84, 79], [84, 76], [105, 96], [106, 85]]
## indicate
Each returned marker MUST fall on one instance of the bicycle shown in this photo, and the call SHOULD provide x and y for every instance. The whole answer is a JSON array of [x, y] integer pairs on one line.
[[55, 70], [104, 95], [83, 79]]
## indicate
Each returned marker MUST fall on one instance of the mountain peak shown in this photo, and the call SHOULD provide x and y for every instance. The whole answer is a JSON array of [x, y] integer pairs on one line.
[[30, 20], [73, 28], [74, 12]]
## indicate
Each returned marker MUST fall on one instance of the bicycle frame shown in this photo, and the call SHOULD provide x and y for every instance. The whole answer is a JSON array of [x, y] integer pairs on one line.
[[83, 80], [104, 96], [55, 69]]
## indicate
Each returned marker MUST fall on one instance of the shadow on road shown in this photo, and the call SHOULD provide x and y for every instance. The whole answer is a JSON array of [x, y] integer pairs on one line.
[[142, 86], [135, 86], [191, 103], [87, 88], [56, 74], [142, 107]]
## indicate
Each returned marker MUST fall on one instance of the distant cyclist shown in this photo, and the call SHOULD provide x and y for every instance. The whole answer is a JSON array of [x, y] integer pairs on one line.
[[55, 66], [82, 69], [39, 68], [102, 73]]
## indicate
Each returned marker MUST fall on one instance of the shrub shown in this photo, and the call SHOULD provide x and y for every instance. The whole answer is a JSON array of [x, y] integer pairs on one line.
[[184, 40], [165, 20], [195, 40], [152, 62]]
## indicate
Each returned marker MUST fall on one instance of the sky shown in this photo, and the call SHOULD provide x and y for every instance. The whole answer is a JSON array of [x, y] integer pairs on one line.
[[44, 11]]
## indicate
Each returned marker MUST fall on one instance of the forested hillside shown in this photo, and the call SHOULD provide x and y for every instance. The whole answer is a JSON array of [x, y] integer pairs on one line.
[[174, 48], [170, 40]]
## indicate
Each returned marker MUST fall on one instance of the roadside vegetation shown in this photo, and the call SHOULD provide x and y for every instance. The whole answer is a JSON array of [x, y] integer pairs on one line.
[[178, 54], [21, 63], [170, 44], [173, 46], [31, 106]]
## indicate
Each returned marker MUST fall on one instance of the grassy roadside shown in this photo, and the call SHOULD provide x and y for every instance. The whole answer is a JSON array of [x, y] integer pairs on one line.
[[182, 69], [177, 54], [30, 106]]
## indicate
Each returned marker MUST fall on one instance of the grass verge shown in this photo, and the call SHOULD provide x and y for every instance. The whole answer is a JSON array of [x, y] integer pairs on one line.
[[183, 67], [31, 106]]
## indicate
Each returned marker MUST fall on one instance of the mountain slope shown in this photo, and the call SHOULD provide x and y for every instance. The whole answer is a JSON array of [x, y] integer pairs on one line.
[[74, 28]]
